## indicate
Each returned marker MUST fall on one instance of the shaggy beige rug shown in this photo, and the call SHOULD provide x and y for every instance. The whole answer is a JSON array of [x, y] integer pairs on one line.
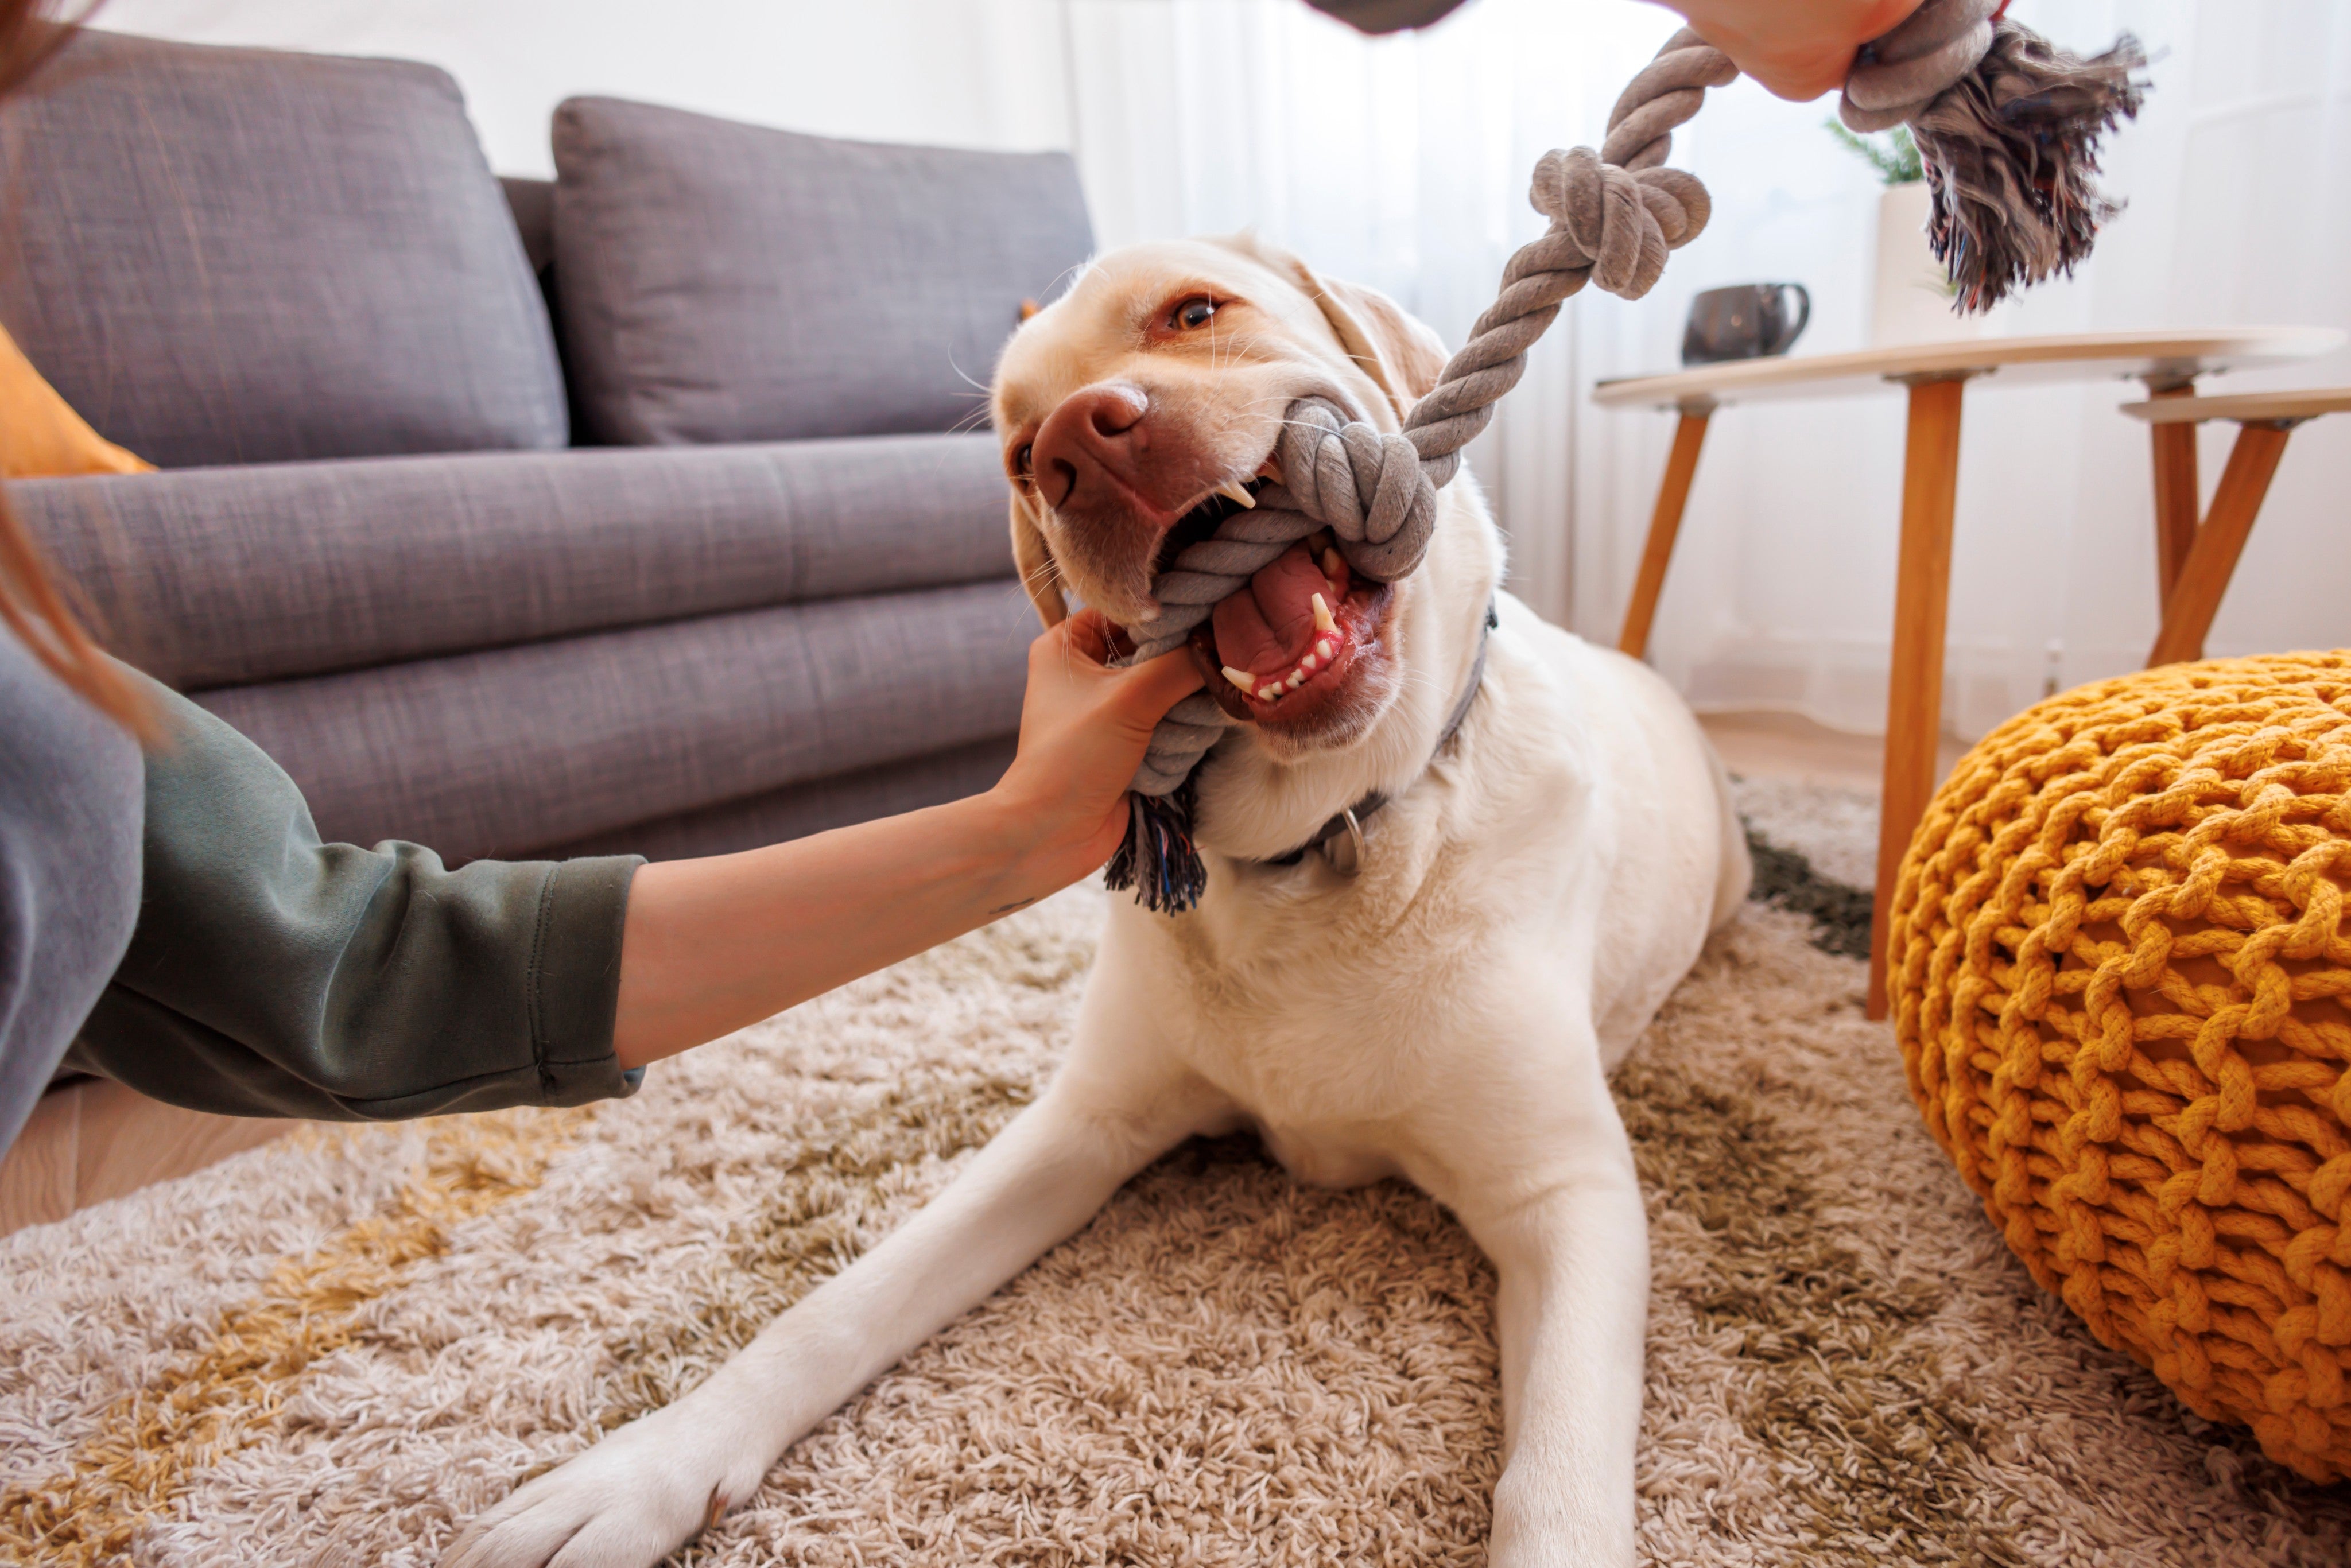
[[333, 1349]]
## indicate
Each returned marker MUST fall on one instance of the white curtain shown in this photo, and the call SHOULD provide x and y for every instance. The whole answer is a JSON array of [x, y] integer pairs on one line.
[[1402, 163]]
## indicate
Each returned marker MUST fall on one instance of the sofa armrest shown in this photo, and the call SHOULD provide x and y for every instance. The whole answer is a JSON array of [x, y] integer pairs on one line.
[[216, 577]]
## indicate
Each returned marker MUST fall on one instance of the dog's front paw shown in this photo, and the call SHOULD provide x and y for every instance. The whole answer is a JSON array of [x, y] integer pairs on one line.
[[627, 1502]]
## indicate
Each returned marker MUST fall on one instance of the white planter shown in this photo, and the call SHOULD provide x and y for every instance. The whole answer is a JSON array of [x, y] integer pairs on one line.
[[1911, 301]]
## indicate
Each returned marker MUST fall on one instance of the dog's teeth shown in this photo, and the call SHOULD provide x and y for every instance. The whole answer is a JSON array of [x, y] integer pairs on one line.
[[1326, 647], [1331, 564], [1242, 679], [1231, 490], [1323, 620], [1307, 663], [1272, 690], [1297, 679]]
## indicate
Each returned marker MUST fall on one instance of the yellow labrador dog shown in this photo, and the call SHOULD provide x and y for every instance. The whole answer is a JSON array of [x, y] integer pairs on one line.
[[1533, 888]]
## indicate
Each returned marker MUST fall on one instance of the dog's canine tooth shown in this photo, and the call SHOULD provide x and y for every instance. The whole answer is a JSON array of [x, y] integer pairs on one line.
[[1242, 679], [1322, 620], [1331, 563], [1231, 490]]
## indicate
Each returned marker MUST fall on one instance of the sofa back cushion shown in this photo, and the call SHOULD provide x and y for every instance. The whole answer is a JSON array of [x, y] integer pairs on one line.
[[724, 282], [242, 255]]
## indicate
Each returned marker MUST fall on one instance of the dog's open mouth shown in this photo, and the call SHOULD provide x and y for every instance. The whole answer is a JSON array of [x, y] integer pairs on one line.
[[1277, 648]]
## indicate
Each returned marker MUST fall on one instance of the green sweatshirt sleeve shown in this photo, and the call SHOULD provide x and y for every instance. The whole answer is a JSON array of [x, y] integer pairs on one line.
[[272, 975]]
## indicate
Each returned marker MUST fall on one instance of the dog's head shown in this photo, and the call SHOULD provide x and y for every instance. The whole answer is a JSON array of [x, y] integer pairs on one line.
[[1140, 409]]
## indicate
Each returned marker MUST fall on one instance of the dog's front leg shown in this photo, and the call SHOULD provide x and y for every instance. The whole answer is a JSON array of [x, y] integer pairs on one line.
[[1573, 1316], [635, 1496]]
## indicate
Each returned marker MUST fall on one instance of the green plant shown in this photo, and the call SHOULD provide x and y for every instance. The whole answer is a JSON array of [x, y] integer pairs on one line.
[[1893, 154]]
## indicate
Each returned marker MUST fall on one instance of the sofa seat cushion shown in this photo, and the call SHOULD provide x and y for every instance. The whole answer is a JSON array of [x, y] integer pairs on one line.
[[512, 751], [214, 577], [724, 282], [241, 255]]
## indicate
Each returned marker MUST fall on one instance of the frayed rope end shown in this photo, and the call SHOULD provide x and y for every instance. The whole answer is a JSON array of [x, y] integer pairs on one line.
[[2010, 149], [1157, 858]]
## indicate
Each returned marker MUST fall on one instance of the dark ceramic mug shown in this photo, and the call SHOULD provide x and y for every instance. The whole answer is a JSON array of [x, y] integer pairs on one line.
[[1746, 322]]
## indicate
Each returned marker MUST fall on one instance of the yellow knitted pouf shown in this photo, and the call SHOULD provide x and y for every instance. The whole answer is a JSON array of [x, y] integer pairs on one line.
[[2120, 971]]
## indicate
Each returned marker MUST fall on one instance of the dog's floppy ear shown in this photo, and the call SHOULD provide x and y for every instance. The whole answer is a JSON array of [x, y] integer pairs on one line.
[[1395, 350], [1034, 559], [1400, 354]]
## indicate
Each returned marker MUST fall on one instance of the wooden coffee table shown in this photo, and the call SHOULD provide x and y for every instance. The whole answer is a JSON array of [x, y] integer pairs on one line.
[[1936, 375], [2195, 558]]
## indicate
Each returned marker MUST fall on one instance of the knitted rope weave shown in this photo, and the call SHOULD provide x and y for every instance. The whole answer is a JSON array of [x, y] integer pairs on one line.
[[2120, 966]]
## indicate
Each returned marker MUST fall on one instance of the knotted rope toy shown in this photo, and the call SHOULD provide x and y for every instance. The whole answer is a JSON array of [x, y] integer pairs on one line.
[[2007, 126]]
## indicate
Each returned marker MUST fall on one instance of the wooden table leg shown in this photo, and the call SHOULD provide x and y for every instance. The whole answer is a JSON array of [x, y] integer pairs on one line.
[[1922, 593], [2176, 496], [1665, 523], [2195, 599]]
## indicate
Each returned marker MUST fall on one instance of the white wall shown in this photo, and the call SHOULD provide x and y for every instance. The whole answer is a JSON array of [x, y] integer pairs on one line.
[[972, 73]]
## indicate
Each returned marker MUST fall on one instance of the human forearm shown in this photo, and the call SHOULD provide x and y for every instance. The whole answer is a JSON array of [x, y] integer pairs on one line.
[[713, 945], [271, 974]]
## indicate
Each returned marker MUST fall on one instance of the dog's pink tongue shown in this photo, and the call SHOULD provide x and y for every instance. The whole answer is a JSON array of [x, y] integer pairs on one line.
[[1266, 631]]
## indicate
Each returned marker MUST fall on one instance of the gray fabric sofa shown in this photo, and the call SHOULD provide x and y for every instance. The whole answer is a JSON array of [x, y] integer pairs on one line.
[[620, 512]]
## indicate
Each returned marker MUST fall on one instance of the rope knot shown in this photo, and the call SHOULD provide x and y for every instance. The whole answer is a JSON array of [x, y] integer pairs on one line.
[[1620, 208], [1903, 71]]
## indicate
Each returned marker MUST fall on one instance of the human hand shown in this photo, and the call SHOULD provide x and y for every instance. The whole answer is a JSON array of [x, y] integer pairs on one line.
[[715, 943], [1084, 726], [1798, 49]]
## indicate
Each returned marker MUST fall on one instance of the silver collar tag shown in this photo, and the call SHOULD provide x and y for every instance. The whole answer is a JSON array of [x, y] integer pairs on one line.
[[1346, 851]]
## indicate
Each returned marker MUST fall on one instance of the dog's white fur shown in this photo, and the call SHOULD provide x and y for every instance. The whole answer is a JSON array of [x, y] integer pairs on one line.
[[1448, 1016]]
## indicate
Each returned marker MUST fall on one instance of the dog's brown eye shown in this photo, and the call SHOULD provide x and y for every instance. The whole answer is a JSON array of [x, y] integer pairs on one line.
[[1195, 312], [1020, 458]]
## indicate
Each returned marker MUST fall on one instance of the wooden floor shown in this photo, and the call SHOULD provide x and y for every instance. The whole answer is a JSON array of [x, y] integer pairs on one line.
[[1789, 746], [94, 1140]]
